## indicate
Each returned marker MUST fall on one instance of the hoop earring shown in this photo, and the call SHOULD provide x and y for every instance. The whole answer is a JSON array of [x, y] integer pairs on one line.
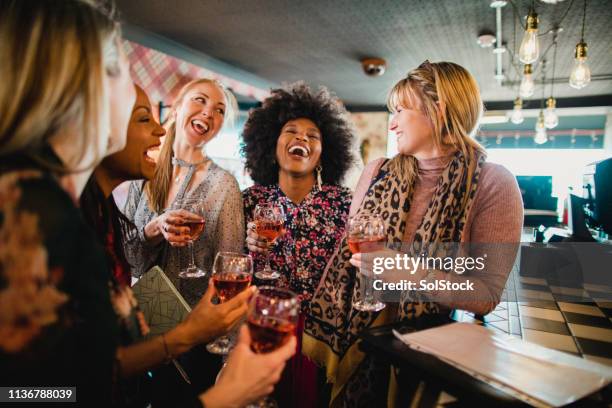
[[319, 170]]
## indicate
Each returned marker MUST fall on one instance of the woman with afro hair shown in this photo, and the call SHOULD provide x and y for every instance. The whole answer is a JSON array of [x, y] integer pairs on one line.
[[298, 147]]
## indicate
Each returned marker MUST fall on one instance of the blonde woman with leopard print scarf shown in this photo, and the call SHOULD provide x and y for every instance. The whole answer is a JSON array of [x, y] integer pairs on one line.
[[438, 189]]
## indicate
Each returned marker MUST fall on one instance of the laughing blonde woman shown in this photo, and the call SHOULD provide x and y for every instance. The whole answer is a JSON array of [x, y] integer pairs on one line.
[[439, 189], [200, 110]]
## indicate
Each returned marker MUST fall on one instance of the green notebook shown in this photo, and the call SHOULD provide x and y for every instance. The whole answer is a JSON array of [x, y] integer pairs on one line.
[[162, 305]]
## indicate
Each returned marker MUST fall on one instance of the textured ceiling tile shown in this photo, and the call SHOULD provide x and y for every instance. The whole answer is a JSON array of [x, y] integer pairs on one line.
[[322, 42]]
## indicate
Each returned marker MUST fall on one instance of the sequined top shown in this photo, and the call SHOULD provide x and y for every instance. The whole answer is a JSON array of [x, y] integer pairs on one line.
[[223, 231], [313, 228]]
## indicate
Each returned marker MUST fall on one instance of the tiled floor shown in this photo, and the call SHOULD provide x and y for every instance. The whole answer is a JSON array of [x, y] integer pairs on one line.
[[570, 319]]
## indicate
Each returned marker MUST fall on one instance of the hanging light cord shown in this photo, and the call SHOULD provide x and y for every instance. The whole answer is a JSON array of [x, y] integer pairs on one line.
[[560, 20], [543, 84], [524, 27], [583, 20], [516, 14], [512, 60], [552, 80]]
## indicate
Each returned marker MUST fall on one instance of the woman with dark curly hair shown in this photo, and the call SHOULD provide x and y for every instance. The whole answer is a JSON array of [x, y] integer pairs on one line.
[[298, 148]]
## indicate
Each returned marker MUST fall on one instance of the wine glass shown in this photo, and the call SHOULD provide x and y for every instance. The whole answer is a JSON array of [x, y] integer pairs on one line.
[[232, 273], [269, 223], [366, 233], [196, 228], [272, 319]]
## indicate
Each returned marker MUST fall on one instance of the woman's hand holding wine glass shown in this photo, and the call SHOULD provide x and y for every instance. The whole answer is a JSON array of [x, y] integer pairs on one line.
[[272, 319], [366, 234], [195, 227], [269, 219], [207, 320], [255, 242], [232, 275], [172, 226], [239, 383]]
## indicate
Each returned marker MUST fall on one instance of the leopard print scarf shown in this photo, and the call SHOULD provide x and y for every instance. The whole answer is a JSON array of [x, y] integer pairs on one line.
[[333, 325]]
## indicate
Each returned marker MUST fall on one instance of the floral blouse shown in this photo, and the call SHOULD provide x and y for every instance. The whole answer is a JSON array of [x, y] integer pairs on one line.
[[312, 230], [57, 324]]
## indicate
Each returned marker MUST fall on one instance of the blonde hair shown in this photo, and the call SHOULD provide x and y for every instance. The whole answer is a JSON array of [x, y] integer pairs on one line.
[[54, 58], [449, 96], [157, 188]]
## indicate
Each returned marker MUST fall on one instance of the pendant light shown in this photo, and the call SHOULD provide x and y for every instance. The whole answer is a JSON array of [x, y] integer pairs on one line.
[[581, 73], [530, 47], [551, 119], [517, 113], [540, 128]]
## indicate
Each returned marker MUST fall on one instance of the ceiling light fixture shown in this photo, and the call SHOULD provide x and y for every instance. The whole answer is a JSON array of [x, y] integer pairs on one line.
[[530, 47], [517, 112], [551, 119], [540, 128], [581, 73]]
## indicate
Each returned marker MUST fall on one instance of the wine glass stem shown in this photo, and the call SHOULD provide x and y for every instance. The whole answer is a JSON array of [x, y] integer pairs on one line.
[[267, 268], [368, 295], [192, 258]]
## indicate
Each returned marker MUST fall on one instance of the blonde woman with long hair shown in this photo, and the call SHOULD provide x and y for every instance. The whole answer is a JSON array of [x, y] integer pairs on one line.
[[438, 191], [64, 105], [184, 171]]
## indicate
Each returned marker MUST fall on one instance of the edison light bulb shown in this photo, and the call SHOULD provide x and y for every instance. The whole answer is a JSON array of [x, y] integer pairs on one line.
[[540, 137], [517, 112], [540, 128], [581, 74], [530, 47], [551, 120], [527, 84]]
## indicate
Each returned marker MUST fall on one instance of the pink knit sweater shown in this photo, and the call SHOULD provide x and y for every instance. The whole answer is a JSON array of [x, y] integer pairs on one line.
[[496, 218]]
